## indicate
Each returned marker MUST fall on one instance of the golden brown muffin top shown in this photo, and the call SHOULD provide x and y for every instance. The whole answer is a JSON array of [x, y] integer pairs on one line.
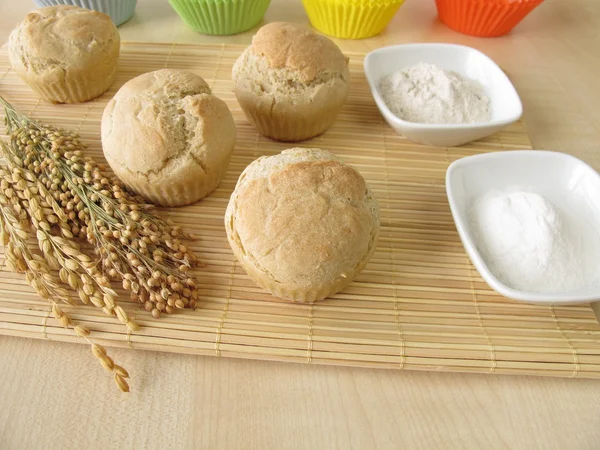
[[62, 35], [165, 123], [303, 218], [295, 47]]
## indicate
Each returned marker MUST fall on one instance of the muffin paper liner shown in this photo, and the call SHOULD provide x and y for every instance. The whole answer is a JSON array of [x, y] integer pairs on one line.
[[220, 17], [120, 11], [295, 295], [171, 193], [351, 19], [76, 91], [285, 129]]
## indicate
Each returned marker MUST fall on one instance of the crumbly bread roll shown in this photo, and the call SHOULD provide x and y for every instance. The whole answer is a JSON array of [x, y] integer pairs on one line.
[[291, 82], [65, 53], [167, 137], [302, 223]]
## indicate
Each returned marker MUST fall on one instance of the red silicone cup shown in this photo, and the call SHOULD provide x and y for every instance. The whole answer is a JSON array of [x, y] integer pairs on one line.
[[484, 18]]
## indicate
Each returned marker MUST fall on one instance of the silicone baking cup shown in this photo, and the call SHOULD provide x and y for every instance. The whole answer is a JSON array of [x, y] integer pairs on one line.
[[485, 18], [120, 11], [351, 19], [220, 17]]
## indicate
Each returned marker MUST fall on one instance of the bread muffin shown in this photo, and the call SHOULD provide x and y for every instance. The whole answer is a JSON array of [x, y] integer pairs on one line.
[[66, 54], [167, 137], [302, 223], [291, 82]]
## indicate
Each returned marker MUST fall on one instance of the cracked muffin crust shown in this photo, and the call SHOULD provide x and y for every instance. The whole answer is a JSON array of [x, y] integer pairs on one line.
[[302, 223], [167, 137], [65, 53], [291, 82]]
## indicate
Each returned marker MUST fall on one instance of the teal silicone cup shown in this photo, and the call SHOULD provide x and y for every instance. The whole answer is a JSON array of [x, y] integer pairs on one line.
[[120, 11]]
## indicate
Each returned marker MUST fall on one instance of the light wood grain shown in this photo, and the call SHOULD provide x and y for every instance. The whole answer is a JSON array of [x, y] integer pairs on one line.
[[53, 396]]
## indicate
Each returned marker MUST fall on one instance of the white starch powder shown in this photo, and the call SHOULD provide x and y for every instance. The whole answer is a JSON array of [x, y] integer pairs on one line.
[[428, 94], [530, 246]]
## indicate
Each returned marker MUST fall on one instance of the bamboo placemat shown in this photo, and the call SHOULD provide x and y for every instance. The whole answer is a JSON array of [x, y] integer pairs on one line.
[[419, 304]]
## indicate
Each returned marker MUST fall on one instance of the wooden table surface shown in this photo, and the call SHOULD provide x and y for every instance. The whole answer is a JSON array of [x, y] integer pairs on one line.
[[54, 395]]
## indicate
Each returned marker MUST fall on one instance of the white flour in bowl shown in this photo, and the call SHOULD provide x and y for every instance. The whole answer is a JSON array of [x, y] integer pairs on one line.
[[428, 94], [530, 245]]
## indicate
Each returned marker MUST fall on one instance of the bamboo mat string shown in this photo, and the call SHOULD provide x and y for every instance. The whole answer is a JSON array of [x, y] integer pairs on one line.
[[225, 309], [168, 57], [34, 107], [45, 321], [218, 66], [171, 48], [8, 69], [310, 333], [596, 308], [566, 338], [129, 332], [255, 154], [397, 314], [90, 105], [392, 253], [480, 319], [447, 155]]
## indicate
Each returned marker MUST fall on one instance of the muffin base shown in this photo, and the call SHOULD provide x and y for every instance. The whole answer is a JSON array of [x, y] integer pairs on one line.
[[278, 290], [286, 123], [286, 129], [78, 90], [173, 194]]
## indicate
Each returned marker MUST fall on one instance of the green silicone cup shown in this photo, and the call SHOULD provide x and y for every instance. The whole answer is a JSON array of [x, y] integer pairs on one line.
[[220, 17]]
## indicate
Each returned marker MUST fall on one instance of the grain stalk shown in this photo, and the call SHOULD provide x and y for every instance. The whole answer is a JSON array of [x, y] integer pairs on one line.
[[137, 248], [41, 277], [51, 190]]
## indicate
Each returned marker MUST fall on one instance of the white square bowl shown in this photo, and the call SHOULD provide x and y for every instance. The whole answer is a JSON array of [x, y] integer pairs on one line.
[[569, 183], [505, 103]]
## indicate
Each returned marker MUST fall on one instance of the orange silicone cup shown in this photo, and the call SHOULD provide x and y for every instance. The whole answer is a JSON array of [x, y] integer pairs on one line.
[[485, 18]]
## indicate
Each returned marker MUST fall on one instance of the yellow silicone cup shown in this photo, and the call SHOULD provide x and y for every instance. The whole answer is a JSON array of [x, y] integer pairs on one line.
[[351, 19]]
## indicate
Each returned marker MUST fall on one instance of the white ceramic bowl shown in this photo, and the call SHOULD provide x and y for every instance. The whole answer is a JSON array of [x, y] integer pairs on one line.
[[569, 183], [470, 63]]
